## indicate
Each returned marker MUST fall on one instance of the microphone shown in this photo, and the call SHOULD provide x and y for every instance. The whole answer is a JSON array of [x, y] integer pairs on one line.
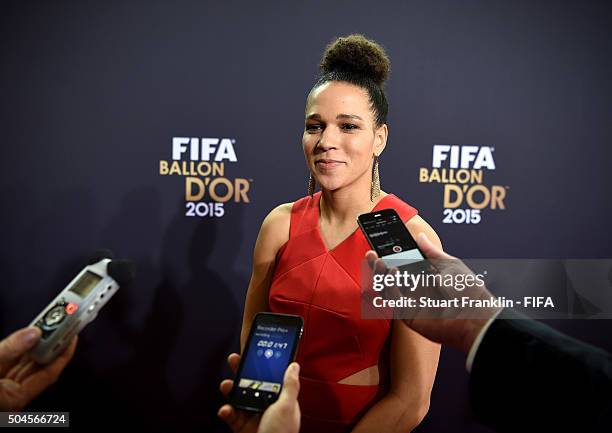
[[98, 255], [122, 271]]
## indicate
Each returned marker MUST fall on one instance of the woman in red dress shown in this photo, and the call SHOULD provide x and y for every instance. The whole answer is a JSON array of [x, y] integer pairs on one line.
[[356, 375]]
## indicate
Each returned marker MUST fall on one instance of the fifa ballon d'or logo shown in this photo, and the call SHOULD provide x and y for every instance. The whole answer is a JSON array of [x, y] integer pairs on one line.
[[202, 162], [461, 168]]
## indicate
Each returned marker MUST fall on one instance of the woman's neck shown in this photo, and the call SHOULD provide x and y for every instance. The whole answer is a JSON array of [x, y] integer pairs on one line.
[[343, 206]]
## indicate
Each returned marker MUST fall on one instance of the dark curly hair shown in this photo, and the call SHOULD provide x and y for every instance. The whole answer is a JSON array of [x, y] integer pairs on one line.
[[360, 61]]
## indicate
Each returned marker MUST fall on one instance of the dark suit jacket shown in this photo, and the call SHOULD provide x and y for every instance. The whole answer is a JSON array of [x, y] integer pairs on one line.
[[528, 377]]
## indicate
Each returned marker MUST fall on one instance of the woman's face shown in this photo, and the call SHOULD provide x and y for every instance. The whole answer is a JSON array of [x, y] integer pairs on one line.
[[340, 138]]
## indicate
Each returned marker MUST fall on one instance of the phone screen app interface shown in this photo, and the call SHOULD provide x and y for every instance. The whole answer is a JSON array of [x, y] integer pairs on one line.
[[391, 239], [268, 356]]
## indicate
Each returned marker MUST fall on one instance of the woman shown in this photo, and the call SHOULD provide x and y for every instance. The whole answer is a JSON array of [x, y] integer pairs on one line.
[[356, 375]]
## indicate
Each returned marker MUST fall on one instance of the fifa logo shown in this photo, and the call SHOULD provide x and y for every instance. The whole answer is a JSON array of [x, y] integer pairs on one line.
[[202, 162], [461, 169], [463, 157]]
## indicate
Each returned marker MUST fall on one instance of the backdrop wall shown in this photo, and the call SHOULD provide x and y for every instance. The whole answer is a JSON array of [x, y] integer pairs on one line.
[[95, 93]]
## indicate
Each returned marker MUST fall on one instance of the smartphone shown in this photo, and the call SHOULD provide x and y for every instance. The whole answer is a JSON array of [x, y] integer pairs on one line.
[[270, 348], [389, 237]]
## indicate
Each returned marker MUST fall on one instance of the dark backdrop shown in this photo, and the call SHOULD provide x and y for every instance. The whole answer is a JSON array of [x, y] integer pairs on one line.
[[93, 92]]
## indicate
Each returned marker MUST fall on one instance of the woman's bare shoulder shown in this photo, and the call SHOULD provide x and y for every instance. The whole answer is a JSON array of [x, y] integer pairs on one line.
[[274, 230], [416, 225], [280, 215]]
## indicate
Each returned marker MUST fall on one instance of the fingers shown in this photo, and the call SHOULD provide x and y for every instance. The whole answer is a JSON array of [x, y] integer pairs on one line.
[[239, 421], [371, 257], [15, 345], [11, 396], [430, 250], [291, 383], [67, 355], [28, 367], [30, 379], [228, 414], [44, 376], [380, 267], [233, 360], [375, 263], [226, 386], [17, 367]]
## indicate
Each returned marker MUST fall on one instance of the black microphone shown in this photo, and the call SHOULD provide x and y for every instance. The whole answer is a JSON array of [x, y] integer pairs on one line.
[[98, 255], [122, 271]]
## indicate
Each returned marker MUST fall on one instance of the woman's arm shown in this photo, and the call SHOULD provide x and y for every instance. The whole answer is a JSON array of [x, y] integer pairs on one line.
[[414, 361], [274, 232]]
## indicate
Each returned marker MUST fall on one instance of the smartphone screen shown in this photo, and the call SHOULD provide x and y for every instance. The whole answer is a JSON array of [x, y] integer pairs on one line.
[[270, 348], [390, 238]]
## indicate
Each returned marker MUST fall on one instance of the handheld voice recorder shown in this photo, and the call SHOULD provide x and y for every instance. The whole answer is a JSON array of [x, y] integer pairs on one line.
[[77, 305]]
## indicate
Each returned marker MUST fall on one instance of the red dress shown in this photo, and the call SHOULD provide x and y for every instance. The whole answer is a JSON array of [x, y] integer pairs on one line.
[[323, 287]]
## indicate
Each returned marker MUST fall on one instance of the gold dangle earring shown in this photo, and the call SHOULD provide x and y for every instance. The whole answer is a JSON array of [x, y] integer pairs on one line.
[[311, 185], [375, 187]]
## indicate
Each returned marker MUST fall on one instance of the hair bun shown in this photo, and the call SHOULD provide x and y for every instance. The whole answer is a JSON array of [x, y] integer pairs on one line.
[[357, 54]]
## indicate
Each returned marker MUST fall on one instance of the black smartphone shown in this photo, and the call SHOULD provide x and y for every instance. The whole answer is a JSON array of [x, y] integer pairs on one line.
[[389, 237], [270, 348]]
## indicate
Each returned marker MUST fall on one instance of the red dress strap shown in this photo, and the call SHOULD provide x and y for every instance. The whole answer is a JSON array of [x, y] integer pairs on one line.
[[302, 220], [304, 215]]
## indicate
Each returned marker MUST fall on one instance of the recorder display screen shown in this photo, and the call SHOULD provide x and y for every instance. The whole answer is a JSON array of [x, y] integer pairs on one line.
[[85, 284], [268, 356]]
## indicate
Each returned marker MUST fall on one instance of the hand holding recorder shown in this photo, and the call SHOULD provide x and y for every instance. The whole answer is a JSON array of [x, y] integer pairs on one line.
[[32, 358], [21, 378], [78, 304]]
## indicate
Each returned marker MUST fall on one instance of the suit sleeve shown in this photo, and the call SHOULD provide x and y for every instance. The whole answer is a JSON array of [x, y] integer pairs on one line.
[[526, 377]]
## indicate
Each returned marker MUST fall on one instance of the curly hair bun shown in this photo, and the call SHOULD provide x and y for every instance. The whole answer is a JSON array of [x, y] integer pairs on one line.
[[357, 54]]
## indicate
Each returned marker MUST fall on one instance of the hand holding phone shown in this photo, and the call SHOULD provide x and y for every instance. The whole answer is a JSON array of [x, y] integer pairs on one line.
[[284, 415], [270, 348]]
